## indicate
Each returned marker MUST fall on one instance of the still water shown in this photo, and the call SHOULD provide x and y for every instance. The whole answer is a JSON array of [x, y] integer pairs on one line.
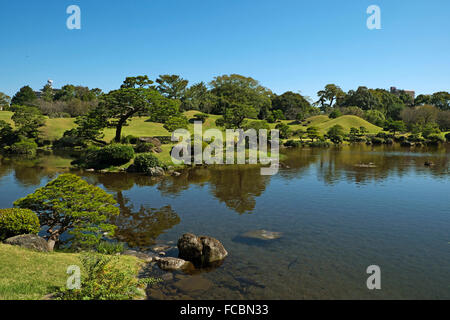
[[336, 219]]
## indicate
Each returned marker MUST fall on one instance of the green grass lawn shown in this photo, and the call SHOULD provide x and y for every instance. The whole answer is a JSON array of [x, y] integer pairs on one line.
[[30, 275]]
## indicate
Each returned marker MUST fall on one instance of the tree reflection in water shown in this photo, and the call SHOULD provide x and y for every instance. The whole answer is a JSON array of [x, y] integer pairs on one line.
[[139, 229]]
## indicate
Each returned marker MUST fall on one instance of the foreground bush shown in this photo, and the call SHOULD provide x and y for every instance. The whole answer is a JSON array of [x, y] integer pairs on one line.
[[144, 162], [103, 278], [106, 247], [14, 222]]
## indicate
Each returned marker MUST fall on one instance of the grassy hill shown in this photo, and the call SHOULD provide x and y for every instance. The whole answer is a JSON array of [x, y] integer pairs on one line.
[[348, 122], [139, 126], [27, 274]]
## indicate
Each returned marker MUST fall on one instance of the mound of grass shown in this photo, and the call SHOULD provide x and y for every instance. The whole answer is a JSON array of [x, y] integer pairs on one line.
[[348, 122], [30, 275]]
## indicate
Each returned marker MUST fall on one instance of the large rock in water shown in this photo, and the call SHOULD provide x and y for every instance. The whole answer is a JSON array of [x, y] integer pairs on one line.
[[29, 241], [202, 251]]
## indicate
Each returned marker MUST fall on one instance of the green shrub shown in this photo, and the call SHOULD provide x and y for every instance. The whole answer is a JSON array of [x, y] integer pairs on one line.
[[106, 247], [112, 155], [142, 147], [24, 147], [319, 144], [16, 221], [447, 136], [130, 139], [292, 144], [102, 278], [336, 113], [434, 139], [201, 117], [377, 140], [70, 139], [145, 161]]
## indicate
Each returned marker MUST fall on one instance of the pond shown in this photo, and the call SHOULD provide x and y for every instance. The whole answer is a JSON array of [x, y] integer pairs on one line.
[[336, 218]]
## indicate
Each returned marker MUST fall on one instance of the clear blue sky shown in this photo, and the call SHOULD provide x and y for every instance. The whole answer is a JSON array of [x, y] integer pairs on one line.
[[286, 45]]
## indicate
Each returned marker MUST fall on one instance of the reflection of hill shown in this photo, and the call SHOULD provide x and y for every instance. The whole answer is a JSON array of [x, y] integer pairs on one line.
[[388, 161], [238, 187], [139, 229]]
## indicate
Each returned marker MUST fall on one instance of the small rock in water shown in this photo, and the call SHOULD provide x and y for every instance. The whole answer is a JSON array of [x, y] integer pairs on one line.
[[159, 248], [140, 255], [171, 264], [262, 235]]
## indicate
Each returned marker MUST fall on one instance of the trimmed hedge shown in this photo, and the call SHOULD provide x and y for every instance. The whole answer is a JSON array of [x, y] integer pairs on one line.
[[15, 221]]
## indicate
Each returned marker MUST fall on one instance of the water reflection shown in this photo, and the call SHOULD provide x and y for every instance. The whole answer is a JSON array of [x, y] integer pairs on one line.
[[140, 229]]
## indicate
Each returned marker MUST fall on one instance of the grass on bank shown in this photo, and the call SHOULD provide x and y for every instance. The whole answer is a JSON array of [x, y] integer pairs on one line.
[[30, 275]]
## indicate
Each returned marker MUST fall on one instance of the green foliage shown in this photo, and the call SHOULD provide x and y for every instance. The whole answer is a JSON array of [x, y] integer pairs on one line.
[[70, 139], [319, 144], [142, 147], [292, 144], [144, 162], [292, 105], [5, 100], [336, 134], [375, 117], [25, 96], [24, 147], [7, 134], [336, 113], [28, 120], [430, 129], [129, 139], [16, 221], [107, 247], [285, 130], [176, 122], [172, 86], [395, 126], [329, 96], [201, 117], [103, 279], [312, 133], [234, 116], [68, 203], [447, 136], [435, 138], [239, 90], [111, 155]]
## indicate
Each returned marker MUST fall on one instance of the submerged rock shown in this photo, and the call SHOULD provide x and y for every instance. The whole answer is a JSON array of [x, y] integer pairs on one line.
[[192, 284], [29, 241], [202, 251], [262, 235], [429, 163], [366, 165]]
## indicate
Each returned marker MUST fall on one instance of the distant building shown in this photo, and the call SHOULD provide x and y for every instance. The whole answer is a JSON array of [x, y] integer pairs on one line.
[[49, 83], [397, 92]]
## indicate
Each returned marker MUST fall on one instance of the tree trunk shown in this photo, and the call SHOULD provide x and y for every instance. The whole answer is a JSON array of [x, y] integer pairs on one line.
[[118, 131]]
